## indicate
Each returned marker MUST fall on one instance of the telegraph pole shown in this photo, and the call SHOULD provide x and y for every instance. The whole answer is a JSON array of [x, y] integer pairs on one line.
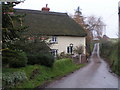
[[104, 29], [119, 18]]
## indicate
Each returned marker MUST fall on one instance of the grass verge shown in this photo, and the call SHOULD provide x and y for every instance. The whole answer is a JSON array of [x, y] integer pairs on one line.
[[61, 67]]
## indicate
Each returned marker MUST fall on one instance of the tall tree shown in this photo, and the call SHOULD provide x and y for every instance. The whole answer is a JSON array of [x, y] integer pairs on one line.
[[92, 26], [78, 17], [11, 24]]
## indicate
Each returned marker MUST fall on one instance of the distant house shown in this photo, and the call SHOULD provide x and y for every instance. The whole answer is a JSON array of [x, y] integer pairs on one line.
[[106, 38], [63, 32]]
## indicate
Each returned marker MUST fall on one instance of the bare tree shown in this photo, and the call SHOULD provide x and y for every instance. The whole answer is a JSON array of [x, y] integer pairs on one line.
[[95, 26], [92, 25], [81, 20]]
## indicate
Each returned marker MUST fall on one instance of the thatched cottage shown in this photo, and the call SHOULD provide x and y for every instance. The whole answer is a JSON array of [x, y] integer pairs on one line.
[[64, 33]]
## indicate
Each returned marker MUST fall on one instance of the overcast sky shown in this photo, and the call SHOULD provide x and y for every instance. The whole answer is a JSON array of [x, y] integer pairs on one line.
[[107, 9]]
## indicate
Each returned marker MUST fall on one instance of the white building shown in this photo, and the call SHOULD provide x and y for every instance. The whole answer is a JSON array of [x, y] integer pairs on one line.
[[63, 32]]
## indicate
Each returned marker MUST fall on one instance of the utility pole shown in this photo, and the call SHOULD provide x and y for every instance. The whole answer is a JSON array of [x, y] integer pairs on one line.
[[104, 29], [119, 18]]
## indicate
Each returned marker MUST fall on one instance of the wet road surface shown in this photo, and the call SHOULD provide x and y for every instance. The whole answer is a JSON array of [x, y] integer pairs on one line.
[[95, 75]]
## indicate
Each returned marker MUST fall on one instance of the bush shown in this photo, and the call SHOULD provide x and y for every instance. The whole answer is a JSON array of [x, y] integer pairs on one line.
[[32, 59], [63, 55], [45, 59], [38, 53], [106, 48], [7, 55], [78, 50], [109, 50], [14, 58], [12, 79], [33, 48], [19, 61]]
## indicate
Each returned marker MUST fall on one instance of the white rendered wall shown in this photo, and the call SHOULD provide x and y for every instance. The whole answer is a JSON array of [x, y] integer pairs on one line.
[[65, 41]]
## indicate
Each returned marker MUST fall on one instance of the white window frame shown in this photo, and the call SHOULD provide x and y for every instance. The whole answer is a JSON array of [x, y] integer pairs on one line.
[[54, 52], [54, 39]]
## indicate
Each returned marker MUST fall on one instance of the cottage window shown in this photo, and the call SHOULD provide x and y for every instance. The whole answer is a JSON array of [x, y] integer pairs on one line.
[[54, 52], [54, 39], [70, 49]]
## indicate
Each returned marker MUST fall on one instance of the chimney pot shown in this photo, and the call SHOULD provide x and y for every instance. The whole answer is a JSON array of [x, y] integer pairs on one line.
[[45, 8]]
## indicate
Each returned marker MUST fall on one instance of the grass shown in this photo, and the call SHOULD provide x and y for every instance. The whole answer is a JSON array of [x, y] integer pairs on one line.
[[28, 69], [60, 68]]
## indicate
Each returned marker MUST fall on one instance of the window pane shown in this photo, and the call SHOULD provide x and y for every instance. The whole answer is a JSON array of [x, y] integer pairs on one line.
[[54, 39], [54, 52], [68, 50]]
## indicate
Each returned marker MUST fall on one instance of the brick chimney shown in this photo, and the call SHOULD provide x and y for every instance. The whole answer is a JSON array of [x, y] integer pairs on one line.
[[46, 8]]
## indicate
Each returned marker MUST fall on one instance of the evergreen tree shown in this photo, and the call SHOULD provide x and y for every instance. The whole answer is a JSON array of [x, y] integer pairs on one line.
[[11, 24], [78, 17]]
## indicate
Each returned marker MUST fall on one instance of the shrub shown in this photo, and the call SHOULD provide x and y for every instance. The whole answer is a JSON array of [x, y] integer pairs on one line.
[[32, 59], [38, 53], [33, 48], [12, 79], [14, 58], [106, 48], [109, 50], [63, 55], [78, 50], [6, 56], [19, 61], [45, 59]]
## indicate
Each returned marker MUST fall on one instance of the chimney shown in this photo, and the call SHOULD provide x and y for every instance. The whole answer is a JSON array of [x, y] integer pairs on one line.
[[46, 8]]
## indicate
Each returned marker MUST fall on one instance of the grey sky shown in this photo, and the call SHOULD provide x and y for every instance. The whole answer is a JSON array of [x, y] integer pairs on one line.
[[107, 9]]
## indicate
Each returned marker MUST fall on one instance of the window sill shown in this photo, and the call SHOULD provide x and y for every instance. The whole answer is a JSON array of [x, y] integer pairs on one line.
[[53, 42]]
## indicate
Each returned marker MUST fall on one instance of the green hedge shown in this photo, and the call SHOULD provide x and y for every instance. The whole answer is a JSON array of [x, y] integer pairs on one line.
[[109, 50], [45, 59]]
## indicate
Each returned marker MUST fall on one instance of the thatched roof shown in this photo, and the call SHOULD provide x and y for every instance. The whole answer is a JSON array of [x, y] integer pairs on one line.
[[51, 23]]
